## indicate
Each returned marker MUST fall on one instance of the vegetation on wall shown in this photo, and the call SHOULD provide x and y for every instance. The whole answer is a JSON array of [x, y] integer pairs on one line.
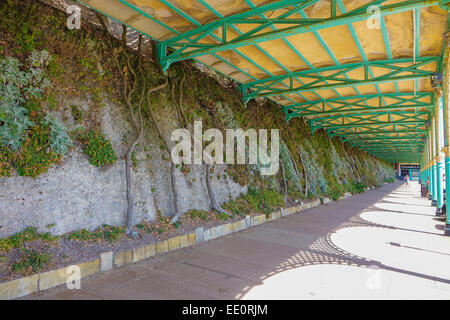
[[97, 147], [92, 63]]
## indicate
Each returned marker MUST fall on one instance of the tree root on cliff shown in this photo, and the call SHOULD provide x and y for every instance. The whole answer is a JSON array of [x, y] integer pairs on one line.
[[212, 196], [284, 182], [183, 123], [129, 88]]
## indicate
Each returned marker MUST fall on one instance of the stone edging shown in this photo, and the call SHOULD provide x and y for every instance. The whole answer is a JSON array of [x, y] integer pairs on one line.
[[108, 260]]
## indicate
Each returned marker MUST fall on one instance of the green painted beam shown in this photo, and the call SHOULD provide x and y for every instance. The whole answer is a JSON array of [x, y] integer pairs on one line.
[[377, 123], [376, 132], [381, 139], [346, 105], [387, 147], [360, 110], [339, 77], [397, 146], [359, 117], [189, 45], [389, 142], [366, 120]]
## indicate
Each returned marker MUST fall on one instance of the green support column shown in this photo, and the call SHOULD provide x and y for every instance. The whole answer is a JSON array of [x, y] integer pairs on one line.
[[430, 169], [447, 187], [439, 164], [430, 181], [446, 102], [433, 157]]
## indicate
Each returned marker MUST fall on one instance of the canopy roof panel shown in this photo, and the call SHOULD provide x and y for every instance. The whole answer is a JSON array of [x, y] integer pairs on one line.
[[357, 68]]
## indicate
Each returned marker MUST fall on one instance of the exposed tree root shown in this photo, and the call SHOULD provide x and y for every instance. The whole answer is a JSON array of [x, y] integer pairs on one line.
[[296, 168], [166, 147], [297, 172], [212, 196], [183, 123], [306, 175], [180, 114], [284, 182], [129, 88]]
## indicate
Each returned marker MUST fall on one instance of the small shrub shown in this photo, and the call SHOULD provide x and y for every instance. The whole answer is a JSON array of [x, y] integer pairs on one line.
[[357, 187], [105, 233], [37, 155], [33, 261], [60, 140], [98, 148], [195, 214], [19, 239], [5, 162], [265, 201], [77, 113], [19, 84]]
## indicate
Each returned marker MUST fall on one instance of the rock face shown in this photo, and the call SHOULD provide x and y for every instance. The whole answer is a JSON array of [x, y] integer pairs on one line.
[[76, 195]]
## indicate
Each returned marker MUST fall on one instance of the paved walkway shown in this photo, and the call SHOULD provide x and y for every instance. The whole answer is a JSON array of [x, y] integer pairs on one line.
[[385, 243]]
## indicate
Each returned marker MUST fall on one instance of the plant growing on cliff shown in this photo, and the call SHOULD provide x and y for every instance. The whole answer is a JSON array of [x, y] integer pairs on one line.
[[316, 181], [255, 201], [5, 164], [60, 140], [20, 239], [32, 262], [19, 84], [36, 155], [289, 166], [136, 91], [104, 233], [98, 148]]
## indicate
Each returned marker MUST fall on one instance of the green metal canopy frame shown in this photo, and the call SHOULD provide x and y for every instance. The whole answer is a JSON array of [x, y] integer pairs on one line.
[[389, 125]]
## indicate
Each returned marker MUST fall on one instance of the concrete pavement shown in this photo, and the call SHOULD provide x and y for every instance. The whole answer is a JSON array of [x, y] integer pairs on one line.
[[382, 244]]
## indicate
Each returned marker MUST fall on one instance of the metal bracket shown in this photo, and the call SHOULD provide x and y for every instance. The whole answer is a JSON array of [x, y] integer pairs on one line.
[[161, 52], [311, 126], [436, 79]]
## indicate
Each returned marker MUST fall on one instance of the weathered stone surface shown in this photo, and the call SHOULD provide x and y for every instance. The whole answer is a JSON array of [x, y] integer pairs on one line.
[[18, 288], [53, 278], [174, 243], [276, 215], [239, 225], [123, 258], [216, 232], [90, 267], [150, 250], [138, 254], [291, 210], [227, 229], [248, 221], [162, 247], [207, 235], [106, 261], [258, 220], [199, 235], [192, 237], [184, 241]]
